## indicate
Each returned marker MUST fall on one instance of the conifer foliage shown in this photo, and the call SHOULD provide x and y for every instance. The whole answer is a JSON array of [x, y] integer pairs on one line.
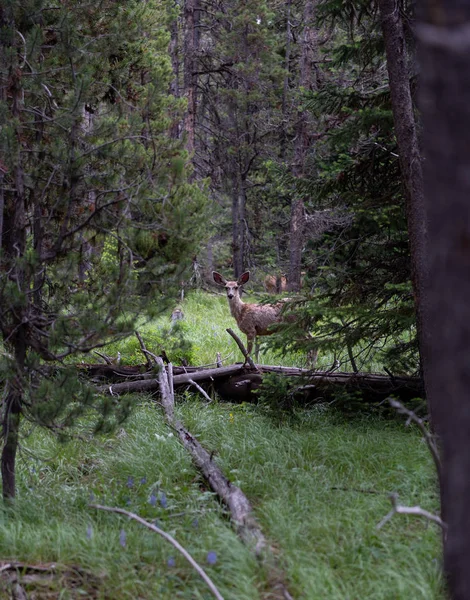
[[360, 268], [96, 214]]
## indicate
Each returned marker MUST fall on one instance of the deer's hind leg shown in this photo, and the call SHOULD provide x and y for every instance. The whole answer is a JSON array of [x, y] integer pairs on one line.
[[250, 339], [257, 349]]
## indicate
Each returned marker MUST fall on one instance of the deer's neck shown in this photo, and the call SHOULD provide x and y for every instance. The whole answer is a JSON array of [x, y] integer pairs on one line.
[[236, 305]]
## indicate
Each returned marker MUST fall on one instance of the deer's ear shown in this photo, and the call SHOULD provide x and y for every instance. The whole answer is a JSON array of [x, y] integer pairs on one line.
[[244, 278], [218, 278]]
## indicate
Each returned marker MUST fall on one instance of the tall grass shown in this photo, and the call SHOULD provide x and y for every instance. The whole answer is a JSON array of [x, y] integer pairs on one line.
[[319, 484]]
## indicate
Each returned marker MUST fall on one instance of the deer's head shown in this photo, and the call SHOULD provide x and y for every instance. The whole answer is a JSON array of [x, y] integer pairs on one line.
[[231, 287]]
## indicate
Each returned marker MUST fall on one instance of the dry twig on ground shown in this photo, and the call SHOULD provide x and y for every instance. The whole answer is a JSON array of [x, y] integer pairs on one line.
[[170, 539], [421, 424], [410, 510]]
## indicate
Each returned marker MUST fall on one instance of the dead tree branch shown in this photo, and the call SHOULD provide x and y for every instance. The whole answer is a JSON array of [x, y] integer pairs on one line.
[[152, 384], [144, 350], [232, 496], [243, 350], [428, 436], [200, 390], [410, 510], [168, 538]]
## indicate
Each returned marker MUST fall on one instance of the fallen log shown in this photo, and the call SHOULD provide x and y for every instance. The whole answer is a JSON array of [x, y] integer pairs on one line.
[[152, 384], [240, 509], [115, 373], [232, 496], [322, 386], [236, 383]]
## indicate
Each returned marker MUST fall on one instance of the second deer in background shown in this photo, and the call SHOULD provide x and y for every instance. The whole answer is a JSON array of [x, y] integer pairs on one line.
[[275, 284], [278, 284]]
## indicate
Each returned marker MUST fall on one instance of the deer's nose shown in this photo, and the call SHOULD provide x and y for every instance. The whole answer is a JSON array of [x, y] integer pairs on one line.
[[230, 296]]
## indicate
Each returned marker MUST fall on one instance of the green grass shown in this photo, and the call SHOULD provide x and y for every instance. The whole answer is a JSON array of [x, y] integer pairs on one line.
[[310, 483], [207, 316], [319, 484]]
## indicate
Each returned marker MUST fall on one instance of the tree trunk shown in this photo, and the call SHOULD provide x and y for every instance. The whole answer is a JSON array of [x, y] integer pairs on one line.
[[2, 205], [238, 224], [11, 427], [191, 14], [297, 229], [13, 248], [444, 36], [302, 147], [283, 141], [408, 149]]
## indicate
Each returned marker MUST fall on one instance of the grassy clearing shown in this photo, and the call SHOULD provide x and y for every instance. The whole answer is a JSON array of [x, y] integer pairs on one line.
[[203, 333], [319, 487], [319, 484]]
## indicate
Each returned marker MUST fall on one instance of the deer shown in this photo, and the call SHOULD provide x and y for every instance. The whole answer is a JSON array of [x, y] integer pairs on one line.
[[252, 319], [275, 284]]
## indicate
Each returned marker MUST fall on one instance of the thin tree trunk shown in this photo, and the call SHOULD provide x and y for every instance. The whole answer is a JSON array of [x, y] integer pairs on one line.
[[13, 248], [408, 149], [2, 206], [174, 50], [297, 230], [238, 223], [302, 146], [175, 59], [285, 90], [444, 36], [191, 37], [11, 427]]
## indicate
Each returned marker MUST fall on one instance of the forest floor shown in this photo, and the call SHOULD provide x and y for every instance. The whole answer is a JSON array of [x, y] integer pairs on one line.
[[319, 483]]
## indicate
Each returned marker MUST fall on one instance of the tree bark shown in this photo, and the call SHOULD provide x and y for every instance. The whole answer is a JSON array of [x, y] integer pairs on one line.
[[13, 247], [238, 193], [285, 90], [408, 150], [302, 147], [11, 428], [191, 14], [444, 36], [297, 230]]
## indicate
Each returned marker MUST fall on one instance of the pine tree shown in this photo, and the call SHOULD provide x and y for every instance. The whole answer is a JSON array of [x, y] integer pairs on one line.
[[359, 265], [97, 216]]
